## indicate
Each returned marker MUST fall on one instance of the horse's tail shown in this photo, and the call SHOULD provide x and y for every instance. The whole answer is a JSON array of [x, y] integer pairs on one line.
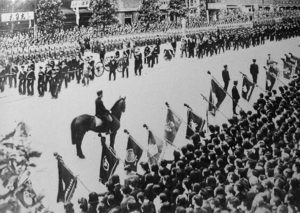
[[73, 132]]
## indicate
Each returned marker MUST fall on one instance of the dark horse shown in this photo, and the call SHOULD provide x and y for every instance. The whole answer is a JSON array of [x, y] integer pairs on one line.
[[83, 123]]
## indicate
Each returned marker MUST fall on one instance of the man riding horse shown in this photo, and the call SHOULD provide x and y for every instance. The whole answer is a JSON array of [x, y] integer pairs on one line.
[[102, 112]]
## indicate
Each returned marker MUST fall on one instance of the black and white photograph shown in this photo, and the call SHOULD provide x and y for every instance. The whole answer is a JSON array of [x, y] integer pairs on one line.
[[149, 106]]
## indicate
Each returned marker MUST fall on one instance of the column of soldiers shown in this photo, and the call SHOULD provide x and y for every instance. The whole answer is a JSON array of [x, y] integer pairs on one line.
[[22, 57]]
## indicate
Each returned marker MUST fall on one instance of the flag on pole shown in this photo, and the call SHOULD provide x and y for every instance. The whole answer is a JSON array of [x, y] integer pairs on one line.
[[216, 97], [133, 154], [247, 89], [288, 70], [67, 183], [155, 148], [195, 124], [108, 165], [173, 123], [270, 81]]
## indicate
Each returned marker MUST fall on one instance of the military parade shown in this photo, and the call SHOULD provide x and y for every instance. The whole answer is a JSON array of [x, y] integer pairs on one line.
[[155, 106]]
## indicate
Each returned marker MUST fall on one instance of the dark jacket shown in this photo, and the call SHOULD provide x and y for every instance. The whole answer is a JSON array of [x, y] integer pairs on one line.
[[254, 69], [225, 76], [235, 93], [100, 108]]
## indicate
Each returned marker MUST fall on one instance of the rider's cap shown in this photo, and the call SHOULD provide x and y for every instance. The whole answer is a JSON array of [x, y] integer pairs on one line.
[[254, 60], [100, 92]]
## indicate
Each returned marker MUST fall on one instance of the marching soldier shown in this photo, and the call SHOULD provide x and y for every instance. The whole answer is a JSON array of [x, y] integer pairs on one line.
[[125, 64], [22, 81], [64, 74], [113, 65], [138, 62], [48, 74], [30, 80], [41, 82], [79, 69], [54, 83], [92, 65], [2, 78], [13, 77]]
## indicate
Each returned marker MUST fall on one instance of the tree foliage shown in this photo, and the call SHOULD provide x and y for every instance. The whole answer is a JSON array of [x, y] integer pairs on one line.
[[50, 17], [149, 11], [178, 8], [104, 13], [17, 5]]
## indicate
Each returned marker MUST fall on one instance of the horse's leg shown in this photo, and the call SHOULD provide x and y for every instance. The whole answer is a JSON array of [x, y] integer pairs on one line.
[[80, 136], [112, 139]]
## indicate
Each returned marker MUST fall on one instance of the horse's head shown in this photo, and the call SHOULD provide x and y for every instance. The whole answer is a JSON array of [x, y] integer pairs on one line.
[[120, 105]]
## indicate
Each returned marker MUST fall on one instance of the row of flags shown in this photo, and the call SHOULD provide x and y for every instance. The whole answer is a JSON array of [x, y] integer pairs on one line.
[[156, 146]]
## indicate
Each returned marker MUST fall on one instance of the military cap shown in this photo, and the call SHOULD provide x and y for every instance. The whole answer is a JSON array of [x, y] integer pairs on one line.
[[100, 92]]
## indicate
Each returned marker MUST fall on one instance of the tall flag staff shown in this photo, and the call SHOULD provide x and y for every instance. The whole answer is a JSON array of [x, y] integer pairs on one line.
[[155, 147], [195, 123], [212, 104], [208, 72], [67, 181]]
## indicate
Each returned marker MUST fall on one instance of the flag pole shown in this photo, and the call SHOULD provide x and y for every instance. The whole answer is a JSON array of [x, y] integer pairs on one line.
[[59, 158], [126, 131], [215, 107], [223, 89], [252, 82], [172, 144]]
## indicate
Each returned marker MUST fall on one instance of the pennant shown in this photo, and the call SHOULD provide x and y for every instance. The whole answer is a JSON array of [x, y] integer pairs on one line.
[[67, 183], [155, 148], [270, 81], [247, 89], [133, 154], [195, 124], [173, 123], [216, 97], [108, 164]]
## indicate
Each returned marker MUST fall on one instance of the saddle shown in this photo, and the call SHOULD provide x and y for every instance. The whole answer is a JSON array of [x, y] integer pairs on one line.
[[105, 120]]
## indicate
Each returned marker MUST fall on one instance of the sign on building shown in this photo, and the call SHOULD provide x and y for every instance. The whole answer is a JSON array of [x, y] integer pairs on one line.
[[19, 16], [81, 3]]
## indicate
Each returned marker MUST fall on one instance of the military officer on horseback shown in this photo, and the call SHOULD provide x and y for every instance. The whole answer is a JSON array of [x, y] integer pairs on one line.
[[102, 112]]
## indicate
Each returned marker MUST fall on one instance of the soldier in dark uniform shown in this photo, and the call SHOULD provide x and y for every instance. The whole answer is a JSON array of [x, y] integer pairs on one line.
[[101, 111], [254, 71], [138, 62], [22, 81], [30, 81], [48, 74], [173, 43], [235, 97], [226, 77], [146, 55], [191, 47], [113, 65], [13, 77], [157, 45], [41, 82], [125, 64], [54, 83], [155, 54], [102, 52]]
